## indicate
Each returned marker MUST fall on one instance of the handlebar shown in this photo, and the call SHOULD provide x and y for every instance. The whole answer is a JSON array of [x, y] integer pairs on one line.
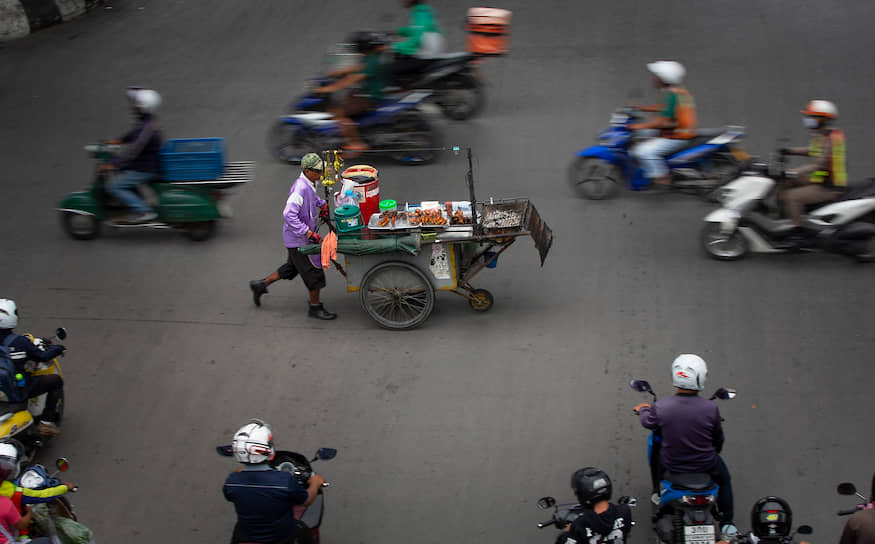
[[546, 523], [848, 511]]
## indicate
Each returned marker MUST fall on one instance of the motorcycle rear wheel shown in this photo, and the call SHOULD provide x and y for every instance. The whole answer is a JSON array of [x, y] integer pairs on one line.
[[722, 247], [461, 97], [200, 231], [416, 141], [594, 179], [288, 143]]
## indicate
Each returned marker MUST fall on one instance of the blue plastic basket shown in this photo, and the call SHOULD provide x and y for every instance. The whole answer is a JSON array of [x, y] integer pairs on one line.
[[193, 159]]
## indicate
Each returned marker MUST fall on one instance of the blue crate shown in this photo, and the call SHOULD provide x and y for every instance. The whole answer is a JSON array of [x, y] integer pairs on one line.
[[193, 159]]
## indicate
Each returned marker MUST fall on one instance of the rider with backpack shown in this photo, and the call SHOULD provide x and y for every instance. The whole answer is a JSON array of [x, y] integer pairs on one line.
[[601, 522], [16, 385]]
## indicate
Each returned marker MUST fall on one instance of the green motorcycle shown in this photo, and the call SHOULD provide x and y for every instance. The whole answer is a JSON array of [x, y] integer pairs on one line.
[[191, 206]]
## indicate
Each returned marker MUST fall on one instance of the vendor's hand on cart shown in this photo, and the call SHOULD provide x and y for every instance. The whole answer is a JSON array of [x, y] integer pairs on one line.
[[314, 237]]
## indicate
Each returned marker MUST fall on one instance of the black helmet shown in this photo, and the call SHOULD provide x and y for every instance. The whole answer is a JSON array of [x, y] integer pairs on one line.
[[366, 41], [771, 517], [591, 485]]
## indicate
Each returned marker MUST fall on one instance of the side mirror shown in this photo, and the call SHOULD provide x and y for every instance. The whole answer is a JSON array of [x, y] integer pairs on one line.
[[326, 453], [846, 488], [62, 464], [641, 386], [725, 394], [61, 333], [225, 451], [546, 502], [805, 530], [625, 499]]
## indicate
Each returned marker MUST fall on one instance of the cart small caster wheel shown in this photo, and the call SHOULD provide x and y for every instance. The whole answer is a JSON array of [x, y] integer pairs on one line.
[[480, 300]]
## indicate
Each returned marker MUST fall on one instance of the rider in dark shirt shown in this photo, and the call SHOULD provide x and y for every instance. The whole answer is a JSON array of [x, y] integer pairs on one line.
[[21, 350], [264, 497], [601, 522]]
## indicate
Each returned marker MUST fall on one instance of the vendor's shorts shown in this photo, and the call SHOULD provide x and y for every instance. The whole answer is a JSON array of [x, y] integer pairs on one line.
[[298, 263]]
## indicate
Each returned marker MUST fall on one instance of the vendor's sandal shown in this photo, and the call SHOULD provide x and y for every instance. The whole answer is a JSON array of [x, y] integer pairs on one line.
[[258, 287]]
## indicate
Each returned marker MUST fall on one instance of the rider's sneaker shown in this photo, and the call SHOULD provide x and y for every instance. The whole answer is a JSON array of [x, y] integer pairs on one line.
[[654, 498], [46, 428], [144, 217], [728, 531]]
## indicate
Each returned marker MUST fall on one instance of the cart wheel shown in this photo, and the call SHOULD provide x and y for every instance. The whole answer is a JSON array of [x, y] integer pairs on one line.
[[481, 300], [397, 295]]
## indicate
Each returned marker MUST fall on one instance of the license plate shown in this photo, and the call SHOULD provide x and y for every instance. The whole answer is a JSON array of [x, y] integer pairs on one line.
[[699, 534]]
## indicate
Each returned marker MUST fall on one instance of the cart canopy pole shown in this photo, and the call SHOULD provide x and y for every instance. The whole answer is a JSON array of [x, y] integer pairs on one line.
[[477, 227]]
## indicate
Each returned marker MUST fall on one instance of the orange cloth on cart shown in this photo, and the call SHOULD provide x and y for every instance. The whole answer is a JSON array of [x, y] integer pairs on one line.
[[329, 249]]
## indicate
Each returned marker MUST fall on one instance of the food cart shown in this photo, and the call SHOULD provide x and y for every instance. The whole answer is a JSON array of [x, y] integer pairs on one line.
[[397, 268]]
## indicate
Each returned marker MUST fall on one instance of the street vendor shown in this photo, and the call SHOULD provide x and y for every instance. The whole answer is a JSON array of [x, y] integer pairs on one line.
[[301, 216]]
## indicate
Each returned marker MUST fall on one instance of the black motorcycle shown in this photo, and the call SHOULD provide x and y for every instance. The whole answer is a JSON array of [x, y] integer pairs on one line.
[[565, 514], [453, 78], [309, 518]]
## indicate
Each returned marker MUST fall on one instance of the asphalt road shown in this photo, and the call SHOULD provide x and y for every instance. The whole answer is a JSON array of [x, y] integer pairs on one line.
[[452, 431]]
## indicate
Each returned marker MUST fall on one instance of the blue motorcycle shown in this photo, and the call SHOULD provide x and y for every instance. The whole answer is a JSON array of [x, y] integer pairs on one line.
[[708, 161], [398, 128], [685, 508]]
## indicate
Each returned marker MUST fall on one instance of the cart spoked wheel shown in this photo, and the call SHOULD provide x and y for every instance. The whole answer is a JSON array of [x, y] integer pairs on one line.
[[480, 300], [397, 295]]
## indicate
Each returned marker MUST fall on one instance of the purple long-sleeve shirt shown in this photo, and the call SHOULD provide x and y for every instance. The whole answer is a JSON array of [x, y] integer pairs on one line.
[[692, 433], [301, 214]]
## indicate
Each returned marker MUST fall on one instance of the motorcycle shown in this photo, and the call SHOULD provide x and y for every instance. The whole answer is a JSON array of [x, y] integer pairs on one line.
[[565, 514], [687, 509], [55, 519], [458, 90], [309, 518], [190, 206], [17, 420], [705, 163], [847, 488], [746, 222], [398, 127]]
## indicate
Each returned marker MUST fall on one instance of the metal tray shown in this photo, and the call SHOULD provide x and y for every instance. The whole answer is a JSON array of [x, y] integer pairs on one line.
[[400, 224]]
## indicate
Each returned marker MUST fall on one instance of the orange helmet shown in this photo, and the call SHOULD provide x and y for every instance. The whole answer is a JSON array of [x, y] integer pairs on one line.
[[821, 108]]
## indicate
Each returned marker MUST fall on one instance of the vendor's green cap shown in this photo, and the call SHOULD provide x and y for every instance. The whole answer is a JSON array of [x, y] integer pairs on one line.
[[388, 204], [312, 161]]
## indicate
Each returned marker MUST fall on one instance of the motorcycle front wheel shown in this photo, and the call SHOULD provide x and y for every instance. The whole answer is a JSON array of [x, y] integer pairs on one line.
[[80, 226], [461, 97], [722, 246], [595, 179], [288, 143], [415, 141]]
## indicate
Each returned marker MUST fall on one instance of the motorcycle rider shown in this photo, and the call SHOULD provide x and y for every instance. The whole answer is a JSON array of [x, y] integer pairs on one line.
[[138, 161], [825, 177], [263, 497], [370, 76], [676, 121], [691, 430], [423, 39], [601, 521], [23, 496], [860, 528], [22, 350]]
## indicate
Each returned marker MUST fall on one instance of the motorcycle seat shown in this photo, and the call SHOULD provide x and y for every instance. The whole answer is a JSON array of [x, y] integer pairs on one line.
[[11, 407], [865, 189], [693, 481], [447, 56]]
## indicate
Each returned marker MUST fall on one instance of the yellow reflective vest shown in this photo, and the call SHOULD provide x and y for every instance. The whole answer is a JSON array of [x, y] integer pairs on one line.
[[837, 175]]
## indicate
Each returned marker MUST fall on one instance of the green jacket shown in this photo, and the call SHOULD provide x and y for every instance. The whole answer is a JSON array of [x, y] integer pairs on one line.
[[421, 21]]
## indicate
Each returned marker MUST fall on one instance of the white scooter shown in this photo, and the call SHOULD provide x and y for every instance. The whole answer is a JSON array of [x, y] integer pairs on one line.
[[743, 225]]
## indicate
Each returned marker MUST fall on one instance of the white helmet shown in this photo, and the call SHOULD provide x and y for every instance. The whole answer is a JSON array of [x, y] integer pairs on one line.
[[253, 443], [821, 108], [8, 314], [145, 100], [668, 71], [9, 466], [688, 371]]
